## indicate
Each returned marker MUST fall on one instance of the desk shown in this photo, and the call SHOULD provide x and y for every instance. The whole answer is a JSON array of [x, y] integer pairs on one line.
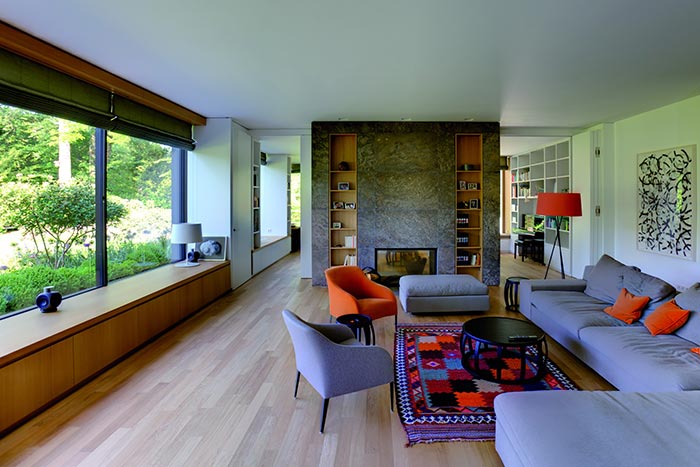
[[531, 245]]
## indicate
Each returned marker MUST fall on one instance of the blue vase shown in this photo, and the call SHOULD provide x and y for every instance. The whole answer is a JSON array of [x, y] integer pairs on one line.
[[48, 300]]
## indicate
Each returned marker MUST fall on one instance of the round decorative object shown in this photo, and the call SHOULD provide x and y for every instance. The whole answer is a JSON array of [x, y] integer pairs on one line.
[[48, 300], [193, 256], [343, 166], [210, 248]]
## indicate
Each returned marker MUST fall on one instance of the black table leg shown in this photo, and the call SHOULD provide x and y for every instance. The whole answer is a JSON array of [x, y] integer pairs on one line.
[[523, 362]]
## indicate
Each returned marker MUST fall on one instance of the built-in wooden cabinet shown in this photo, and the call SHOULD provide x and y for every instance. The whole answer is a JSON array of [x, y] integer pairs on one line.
[[342, 200], [43, 356], [469, 199]]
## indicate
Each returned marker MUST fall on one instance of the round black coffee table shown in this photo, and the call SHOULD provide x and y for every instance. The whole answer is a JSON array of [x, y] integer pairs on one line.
[[511, 337]]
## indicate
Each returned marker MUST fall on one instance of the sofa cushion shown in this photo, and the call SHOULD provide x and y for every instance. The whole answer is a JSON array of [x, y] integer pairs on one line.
[[639, 283], [597, 428], [666, 318], [642, 362], [573, 310], [605, 279], [628, 307], [690, 300]]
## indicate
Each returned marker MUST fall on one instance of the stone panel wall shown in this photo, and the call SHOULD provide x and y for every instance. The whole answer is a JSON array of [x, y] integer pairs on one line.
[[406, 190]]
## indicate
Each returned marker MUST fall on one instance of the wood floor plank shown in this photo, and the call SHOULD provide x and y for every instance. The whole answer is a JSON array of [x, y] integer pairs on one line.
[[217, 390]]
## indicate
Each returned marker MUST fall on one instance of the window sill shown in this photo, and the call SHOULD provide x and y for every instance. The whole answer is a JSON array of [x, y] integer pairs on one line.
[[31, 331]]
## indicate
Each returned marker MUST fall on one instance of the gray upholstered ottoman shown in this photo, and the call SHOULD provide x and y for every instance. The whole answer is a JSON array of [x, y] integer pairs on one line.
[[442, 293]]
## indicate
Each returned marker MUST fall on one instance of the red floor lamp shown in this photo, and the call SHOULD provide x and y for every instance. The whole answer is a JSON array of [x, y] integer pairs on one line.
[[558, 205]]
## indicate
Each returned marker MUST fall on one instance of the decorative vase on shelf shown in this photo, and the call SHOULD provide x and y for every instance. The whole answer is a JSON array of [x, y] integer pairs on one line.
[[48, 300]]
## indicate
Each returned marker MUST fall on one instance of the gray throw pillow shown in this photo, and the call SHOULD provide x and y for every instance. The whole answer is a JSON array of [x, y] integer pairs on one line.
[[690, 300], [641, 284], [605, 279]]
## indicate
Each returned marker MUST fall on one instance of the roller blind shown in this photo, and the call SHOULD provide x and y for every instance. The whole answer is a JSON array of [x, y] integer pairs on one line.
[[143, 122], [26, 84]]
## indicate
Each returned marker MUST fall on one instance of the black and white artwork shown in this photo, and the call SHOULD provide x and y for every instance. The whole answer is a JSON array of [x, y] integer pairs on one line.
[[666, 202]]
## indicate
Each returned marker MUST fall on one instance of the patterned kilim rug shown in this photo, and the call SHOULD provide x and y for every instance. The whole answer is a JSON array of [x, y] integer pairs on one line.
[[438, 400]]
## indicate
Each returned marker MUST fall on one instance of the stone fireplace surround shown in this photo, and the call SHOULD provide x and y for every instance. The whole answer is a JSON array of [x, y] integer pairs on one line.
[[406, 190]]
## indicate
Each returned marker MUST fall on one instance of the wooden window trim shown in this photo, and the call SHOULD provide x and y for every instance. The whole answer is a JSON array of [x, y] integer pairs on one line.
[[42, 52]]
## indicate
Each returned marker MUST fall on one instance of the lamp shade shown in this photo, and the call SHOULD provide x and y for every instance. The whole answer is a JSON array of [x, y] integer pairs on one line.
[[559, 204], [186, 233]]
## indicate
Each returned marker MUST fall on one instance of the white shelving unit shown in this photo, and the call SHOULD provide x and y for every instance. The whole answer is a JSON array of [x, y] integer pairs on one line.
[[289, 196], [256, 195], [546, 169]]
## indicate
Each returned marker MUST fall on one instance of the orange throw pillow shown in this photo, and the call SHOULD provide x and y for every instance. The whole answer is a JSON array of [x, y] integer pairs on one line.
[[666, 318], [627, 307]]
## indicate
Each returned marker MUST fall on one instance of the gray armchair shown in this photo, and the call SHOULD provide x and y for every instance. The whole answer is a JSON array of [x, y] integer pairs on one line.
[[334, 362]]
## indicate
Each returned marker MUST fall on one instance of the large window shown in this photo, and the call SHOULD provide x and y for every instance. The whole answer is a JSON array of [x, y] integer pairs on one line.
[[139, 177], [51, 229]]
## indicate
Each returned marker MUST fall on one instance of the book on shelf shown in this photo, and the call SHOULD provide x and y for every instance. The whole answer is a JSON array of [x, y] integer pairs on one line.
[[351, 241], [350, 260], [469, 259]]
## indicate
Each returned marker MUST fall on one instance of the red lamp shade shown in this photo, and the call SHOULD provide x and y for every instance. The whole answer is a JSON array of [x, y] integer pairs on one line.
[[559, 204]]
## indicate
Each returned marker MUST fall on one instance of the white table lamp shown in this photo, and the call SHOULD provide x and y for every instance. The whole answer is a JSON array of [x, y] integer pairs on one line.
[[186, 234]]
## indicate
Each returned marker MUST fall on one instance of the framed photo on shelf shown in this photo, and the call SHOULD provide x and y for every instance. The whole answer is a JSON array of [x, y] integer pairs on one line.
[[474, 203], [349, 205], [338, 205], [336, 225], [462, 185], [472, 186], [344, 186], [212, 248]]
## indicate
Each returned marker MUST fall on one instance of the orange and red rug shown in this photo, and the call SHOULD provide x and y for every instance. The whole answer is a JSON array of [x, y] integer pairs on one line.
[[438, 400]]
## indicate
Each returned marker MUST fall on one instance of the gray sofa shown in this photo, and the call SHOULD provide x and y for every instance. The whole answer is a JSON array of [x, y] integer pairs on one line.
[[627, 355], [635, 427]]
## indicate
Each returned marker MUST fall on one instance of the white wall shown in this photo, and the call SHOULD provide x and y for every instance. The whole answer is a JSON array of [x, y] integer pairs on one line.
[[219, 189], [306, 268], [273, 195], [667, 127], [205, 183], [581, 149]]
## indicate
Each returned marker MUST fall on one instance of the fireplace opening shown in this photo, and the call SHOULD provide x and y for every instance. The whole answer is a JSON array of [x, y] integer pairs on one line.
[[392, 263]]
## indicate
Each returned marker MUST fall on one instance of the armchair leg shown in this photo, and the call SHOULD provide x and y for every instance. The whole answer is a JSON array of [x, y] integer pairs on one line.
[[296, 385], [391, 395], [323, 414]]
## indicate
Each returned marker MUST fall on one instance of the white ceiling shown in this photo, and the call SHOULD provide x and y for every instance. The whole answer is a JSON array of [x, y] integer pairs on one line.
[[281, 65]]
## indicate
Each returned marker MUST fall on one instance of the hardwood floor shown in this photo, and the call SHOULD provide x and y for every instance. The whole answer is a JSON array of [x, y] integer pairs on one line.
[[217, 390]]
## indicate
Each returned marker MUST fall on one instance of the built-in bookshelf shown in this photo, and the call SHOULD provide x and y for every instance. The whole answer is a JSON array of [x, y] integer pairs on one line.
[[469, 218], [545, 169], [289, 196], [342, 199], [256, 195]]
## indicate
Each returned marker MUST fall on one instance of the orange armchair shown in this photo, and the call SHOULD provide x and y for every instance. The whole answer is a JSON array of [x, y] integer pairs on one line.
[[350, 291]]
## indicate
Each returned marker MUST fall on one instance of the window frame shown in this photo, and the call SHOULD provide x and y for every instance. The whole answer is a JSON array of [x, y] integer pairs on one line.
[[178, 208]]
